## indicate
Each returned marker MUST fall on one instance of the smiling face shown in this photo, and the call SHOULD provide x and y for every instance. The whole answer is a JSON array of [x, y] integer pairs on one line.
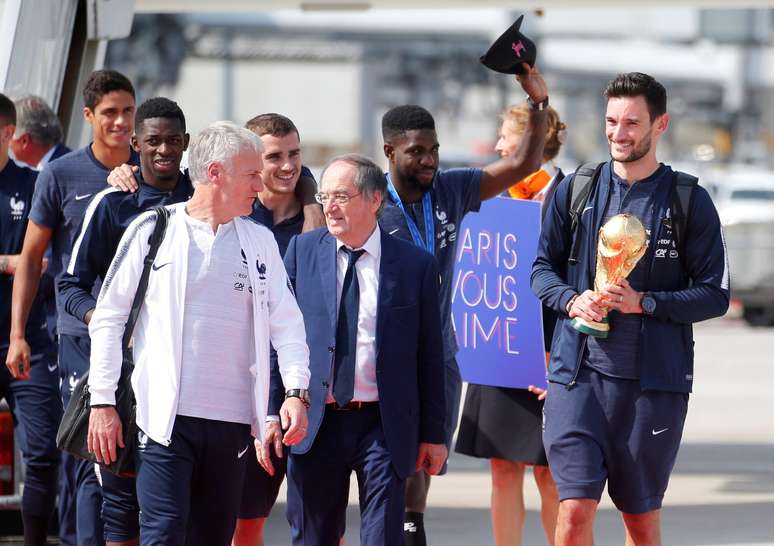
[[112, 119], [351, 222], [281, 162], [631, 135], [415, 157], [160, 143]]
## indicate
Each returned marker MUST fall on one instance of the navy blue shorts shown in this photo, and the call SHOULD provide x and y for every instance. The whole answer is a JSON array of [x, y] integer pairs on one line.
[[190, 491], [74, 352], [260, 489], [80, 494], [120, 509], [608, 429]]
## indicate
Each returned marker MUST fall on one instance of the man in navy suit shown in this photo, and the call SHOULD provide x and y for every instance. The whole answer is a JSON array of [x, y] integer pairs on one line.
[[373, 326], [38, 137]]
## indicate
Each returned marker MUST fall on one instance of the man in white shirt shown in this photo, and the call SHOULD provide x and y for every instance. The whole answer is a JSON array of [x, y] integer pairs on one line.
[[370, 305], [217, 296]]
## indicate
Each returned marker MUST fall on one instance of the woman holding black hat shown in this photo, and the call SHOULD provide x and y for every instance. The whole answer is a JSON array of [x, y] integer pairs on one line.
[[504, 424]]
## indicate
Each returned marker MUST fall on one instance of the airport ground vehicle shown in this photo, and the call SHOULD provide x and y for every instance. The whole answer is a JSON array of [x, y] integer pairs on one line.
[[745, 202]]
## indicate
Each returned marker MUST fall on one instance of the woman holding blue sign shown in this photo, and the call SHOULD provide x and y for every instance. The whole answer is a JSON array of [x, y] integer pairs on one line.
[[504, 424]]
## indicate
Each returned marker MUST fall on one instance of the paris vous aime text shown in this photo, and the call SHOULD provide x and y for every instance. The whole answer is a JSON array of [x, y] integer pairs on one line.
[[483, 283]]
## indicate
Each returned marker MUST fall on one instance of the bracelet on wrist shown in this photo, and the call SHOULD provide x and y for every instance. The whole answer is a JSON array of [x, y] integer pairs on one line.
[[570, 302], [537, 106]]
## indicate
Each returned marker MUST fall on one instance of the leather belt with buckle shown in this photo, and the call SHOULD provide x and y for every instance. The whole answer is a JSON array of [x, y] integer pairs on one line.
[[351, 406]]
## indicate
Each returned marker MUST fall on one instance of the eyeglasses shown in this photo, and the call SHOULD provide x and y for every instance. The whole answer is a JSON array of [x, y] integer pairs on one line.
[[338, 198]]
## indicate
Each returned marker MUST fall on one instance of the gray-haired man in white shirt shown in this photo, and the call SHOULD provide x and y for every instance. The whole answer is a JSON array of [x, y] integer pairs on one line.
[[217, 296]]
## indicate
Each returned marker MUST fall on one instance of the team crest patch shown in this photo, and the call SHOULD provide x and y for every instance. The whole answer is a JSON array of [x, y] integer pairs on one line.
[[17, 207], [261, 268]]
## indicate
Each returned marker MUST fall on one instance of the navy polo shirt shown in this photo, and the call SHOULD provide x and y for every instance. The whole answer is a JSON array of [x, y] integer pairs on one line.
[[284, 231], [63, 191], [454, 193], [17, 185], [616, 355]]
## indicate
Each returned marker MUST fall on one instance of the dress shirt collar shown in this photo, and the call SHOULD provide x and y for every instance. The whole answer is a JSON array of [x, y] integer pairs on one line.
[[46, 158], [372, 246]]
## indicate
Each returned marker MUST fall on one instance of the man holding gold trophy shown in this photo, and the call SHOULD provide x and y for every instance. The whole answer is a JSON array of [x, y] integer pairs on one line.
[[629, 257]]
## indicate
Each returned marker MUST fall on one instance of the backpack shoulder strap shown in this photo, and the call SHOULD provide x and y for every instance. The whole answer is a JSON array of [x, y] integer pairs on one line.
[[582, 185], [681, 205]]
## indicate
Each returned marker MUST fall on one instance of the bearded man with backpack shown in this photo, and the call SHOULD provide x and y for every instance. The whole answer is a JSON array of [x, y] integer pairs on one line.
[[616, 406]]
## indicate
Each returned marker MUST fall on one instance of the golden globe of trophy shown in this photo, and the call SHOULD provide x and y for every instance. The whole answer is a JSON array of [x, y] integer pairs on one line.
[[622, 242]]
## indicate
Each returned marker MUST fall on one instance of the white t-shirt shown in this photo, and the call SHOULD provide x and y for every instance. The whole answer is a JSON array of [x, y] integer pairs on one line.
[[215, 381]]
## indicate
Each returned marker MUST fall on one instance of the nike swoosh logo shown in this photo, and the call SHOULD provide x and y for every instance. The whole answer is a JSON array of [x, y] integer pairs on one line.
[[657, 432], [587, 208], [157, 267], [52, 367], [241, 453], [396, 230], [82, 197]]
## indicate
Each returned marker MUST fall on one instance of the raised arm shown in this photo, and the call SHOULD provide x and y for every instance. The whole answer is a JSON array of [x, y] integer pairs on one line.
[[527, 158]]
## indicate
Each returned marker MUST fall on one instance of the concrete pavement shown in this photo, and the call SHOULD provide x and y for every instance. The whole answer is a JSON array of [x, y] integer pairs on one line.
[[722, 490]]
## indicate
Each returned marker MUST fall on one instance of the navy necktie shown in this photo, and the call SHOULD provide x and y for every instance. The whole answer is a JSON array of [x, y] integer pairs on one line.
[[346, 333]]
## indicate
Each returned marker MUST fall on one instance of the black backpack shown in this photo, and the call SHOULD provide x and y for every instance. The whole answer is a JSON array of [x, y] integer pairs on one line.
[[585, 181]]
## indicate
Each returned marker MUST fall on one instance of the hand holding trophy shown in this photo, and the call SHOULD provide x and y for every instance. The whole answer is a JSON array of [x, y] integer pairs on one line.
[[622, 242]]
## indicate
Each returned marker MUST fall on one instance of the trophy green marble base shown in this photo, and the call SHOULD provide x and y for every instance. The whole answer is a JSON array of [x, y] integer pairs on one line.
[[596, 329]]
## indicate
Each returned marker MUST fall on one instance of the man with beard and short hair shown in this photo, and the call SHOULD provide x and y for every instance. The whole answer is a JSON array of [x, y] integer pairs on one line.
[[426, 205], [616, 406], [160, 141]]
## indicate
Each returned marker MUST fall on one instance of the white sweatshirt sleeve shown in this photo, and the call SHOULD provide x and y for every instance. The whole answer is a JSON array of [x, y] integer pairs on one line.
[[113, 307], [286, 324]]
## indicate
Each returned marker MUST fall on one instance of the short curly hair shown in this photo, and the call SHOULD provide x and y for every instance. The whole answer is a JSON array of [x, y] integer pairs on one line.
[[159, 107], [409, 117]]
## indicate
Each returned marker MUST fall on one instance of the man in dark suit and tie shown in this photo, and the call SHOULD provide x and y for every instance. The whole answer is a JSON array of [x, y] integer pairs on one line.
[[370, 306]]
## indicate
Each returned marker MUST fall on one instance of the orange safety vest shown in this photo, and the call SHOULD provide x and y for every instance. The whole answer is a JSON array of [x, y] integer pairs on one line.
[[530, 186]]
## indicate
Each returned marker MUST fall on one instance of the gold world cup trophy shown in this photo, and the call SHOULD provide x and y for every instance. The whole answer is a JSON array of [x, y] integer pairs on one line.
[[622, 242]]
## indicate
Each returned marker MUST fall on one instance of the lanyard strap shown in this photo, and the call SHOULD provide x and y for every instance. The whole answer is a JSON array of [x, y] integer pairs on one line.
[[427, 208]]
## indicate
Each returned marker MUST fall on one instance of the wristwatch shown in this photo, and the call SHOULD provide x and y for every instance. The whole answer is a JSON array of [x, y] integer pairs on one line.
[[539, 106], [301, 394], [648, 304]]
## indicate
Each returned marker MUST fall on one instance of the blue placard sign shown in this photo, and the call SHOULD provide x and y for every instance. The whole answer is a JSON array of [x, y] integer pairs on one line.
[[496, 316]]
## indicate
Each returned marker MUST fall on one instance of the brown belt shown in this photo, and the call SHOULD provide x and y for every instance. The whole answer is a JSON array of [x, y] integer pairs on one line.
[[351, 406]]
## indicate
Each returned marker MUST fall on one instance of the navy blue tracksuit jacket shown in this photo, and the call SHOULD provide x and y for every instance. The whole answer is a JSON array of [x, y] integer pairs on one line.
[[687, 289]]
